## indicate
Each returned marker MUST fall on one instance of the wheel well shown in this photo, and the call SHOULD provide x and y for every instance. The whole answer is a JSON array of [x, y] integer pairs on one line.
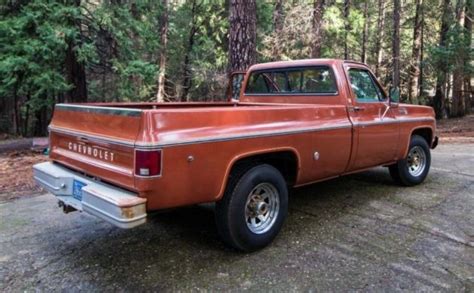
[[426, 133], [284, 161]]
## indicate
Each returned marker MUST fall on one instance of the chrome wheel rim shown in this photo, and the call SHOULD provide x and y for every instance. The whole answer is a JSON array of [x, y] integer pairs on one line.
[[416, 161], [262, 207]]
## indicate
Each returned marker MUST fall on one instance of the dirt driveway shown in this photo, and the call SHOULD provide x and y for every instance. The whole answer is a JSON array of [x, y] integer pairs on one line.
[[359, 232]]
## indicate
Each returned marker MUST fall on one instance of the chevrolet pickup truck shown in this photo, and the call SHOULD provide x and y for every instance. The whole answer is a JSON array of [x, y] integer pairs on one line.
[[294, 123]]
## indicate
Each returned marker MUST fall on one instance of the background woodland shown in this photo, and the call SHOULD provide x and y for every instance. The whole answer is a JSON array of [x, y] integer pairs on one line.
[[136, 51]]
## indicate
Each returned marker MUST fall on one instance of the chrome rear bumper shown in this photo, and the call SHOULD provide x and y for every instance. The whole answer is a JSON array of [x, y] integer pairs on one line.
[[119, 207]]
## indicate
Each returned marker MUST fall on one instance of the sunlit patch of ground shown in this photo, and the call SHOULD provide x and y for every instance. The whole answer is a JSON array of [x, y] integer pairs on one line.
[[16, 174], [457, 130]]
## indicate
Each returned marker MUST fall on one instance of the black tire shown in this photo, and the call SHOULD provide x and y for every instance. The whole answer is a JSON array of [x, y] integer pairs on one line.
[[231, 217], [400, 171]]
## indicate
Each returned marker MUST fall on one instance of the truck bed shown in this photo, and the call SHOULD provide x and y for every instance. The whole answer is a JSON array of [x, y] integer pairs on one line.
[[99, 139]]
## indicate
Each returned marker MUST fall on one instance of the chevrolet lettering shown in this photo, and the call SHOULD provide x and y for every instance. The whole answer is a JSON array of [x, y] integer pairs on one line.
[[91, 151], [287, 124]]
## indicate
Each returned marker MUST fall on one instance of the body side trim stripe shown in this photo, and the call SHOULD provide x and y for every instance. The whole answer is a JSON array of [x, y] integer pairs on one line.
[[199, 140], [392, 121], [142, 145], [243, 136]]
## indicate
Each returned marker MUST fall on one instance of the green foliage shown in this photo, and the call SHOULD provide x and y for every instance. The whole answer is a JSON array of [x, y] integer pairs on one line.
[[32, 44], [457, 44], [33, 41], [118, 42], [126, 46]]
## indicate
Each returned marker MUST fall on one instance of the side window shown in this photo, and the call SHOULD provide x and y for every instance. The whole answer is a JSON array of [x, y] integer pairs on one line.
[[364, 86], [379, 90], [257, 84], [294, 81], [280, 81], [318, 80]]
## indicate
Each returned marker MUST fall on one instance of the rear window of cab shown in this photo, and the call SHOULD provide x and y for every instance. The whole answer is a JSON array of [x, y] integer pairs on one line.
[[308, 80]]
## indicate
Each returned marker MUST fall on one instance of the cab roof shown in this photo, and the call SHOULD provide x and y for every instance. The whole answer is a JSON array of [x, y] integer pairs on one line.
[[300, 63]]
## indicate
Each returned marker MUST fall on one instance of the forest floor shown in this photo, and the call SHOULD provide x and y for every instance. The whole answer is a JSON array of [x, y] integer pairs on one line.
[[457, 130], [16, 173]]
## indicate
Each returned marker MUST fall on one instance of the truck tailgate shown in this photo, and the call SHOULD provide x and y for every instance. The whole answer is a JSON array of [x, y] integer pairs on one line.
[[98, 141]]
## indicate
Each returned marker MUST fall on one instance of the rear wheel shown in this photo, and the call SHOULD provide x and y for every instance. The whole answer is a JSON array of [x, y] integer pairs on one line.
[[253, 208], [415, 167]]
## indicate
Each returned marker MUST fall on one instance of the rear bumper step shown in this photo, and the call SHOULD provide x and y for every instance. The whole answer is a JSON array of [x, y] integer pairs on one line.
[[119, 207]]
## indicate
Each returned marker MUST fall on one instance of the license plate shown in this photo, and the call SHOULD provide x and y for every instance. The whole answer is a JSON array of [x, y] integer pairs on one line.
[[77, 189]]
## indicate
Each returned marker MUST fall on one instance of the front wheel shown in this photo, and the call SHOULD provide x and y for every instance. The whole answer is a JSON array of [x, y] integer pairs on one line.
[[415, 167], [253, 208]]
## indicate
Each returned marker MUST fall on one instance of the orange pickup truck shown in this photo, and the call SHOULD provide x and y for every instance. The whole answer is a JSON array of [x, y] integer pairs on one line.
[[294, 123]]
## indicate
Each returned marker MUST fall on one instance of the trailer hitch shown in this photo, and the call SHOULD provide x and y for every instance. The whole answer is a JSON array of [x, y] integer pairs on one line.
[[66, 208]]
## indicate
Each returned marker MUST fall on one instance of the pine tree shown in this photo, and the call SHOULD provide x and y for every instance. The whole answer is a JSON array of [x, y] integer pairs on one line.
[[242, 36]]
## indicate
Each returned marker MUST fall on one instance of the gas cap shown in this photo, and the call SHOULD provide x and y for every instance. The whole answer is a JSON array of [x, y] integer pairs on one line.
[[316, 156]]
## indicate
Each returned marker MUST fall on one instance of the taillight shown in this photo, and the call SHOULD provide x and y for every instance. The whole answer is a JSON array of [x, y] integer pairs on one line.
[[148, 163]]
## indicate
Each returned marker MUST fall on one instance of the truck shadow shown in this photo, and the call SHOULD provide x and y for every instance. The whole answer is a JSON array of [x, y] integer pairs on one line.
[[196, 223], [187, 237]]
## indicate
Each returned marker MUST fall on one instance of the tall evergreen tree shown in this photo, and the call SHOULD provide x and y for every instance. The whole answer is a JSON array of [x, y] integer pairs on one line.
[[317, 26], [347, 27], [75, 69], [379, 36], [460, 59], [468, 70], [415, 63], [442, 63], [396, 44], [242, 35], [163, 22], [365, 33], [278, 20]]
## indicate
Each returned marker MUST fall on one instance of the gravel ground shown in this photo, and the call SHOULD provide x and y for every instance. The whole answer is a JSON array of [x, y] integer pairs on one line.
[[359, 232]]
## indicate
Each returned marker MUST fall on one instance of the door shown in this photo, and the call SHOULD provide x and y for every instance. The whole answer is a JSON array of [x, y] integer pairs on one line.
[[376, 130]]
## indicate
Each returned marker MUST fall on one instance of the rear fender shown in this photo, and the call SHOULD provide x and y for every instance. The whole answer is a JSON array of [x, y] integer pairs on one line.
[[247, 155]]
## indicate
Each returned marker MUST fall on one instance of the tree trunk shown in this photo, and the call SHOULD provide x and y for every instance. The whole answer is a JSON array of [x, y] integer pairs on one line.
[[347, 4], [440, 95], [75, 70], [457, 109], [76, 76], [363, 55], [380, 36], [277, 27], [416, 54], [422, 48], [15, 112], [396, 45], [467, 75], [26, 121], [187, 79], [161, 93], [242, 35], [318, 13]]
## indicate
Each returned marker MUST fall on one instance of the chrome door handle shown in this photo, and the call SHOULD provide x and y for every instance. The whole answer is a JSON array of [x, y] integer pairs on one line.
[[356, 108]]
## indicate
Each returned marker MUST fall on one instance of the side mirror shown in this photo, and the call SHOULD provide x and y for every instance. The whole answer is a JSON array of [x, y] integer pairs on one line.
[[394, 95], [235, 84]]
